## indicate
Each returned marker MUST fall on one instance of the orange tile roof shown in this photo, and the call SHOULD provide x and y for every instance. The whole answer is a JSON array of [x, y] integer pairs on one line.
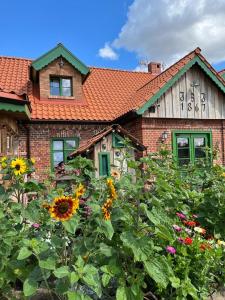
[[108, 93]]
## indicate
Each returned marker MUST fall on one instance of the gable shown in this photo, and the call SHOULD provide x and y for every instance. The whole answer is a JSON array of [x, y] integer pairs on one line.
[[60, 51], [195, 95], [151, 92]]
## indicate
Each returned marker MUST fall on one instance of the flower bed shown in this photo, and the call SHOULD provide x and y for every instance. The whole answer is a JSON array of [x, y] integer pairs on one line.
[[113, 238]]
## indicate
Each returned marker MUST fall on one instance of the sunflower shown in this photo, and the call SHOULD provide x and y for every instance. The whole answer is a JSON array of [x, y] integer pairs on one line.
[[115, 174], [19, 166], [79, 191], [63, 208]]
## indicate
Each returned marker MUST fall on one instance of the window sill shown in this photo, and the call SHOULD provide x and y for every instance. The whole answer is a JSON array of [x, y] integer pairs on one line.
[[62, 97]]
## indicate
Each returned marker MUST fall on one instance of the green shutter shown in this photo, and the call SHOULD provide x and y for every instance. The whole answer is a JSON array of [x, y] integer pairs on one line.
[[117, 141], [104, 163]]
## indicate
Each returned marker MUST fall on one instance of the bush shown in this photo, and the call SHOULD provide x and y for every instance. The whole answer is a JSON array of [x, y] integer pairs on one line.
[[156, 236]]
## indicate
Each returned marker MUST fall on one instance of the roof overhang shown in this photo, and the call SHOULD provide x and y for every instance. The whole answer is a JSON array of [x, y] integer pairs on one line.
[[17, 110], [60, 51], [196, 60]]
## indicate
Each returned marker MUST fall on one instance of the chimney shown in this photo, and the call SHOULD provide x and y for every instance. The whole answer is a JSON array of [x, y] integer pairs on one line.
[[154, 68]]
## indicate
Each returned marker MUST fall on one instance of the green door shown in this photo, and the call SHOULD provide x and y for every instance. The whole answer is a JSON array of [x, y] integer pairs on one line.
[[104, 163], [190, 147]]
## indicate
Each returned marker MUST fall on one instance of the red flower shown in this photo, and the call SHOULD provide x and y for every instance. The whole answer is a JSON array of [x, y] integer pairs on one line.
[[188, 241], [190, 223]]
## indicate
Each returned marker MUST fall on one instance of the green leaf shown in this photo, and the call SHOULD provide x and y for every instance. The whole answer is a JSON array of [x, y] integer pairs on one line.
[[121, 293], [106, 228], [105, 279], [61, 272], [24, 253], [141, 247], [74, 277], [48, 263], [159, 270], [92, 279], [175, 282], [105, 249], [1, 214], [29, 287], [77, 296], [71, 225]]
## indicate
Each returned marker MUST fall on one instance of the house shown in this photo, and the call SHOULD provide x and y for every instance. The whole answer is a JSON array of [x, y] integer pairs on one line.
[[109, 151], [51, 106]]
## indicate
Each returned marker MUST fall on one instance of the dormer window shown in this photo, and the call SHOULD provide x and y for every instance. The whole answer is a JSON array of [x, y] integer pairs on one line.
[[61, 86]]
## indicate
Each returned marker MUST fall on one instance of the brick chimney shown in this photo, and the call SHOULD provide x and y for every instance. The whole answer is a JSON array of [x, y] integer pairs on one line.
[[155, 68]]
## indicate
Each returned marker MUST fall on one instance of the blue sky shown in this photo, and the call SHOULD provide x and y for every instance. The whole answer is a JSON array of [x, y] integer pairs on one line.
[[127, 31], [30, 28]]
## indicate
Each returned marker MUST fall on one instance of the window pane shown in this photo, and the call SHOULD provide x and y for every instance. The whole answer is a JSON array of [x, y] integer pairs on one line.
[[200, 153], [66, 92], [70, 144], [57, 158], [54, 87], [182, 142], [183, 162], [55, 82], [57, 145], [183, 153], [66, 83], [199, 142]]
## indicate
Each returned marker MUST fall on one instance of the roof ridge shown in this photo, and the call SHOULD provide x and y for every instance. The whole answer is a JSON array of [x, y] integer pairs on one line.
[[120, 70], [196, 50], [15, 57]]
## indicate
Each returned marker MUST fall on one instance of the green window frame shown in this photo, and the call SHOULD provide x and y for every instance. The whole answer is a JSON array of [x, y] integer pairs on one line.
[[104, 163], [190, 146], [61, 148], [61, 86], [117, 141]]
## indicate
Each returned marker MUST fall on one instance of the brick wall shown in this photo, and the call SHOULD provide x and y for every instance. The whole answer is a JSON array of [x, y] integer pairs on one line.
[[152, 130], [53, 69], [40, 136]]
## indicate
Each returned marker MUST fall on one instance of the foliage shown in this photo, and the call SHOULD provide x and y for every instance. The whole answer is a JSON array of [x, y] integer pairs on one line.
[[157, 235]]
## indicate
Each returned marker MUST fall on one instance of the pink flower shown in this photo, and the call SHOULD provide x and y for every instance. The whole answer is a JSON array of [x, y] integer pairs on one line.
[[180, 240], [36, 225], [180, 215], [177, 228], [170, 249], [194, 216]]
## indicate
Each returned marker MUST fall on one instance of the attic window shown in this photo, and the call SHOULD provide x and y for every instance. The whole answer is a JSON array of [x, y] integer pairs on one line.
[[61, 86]]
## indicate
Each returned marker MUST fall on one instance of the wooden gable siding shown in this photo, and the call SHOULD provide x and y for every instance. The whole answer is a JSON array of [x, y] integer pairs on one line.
[[208, 101]]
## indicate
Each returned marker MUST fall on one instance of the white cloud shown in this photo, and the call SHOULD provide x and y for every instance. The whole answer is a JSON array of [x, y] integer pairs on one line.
[[165, 30], [107, 52]]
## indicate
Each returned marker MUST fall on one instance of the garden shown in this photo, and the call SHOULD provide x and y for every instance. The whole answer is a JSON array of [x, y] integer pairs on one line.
[[158, 235]]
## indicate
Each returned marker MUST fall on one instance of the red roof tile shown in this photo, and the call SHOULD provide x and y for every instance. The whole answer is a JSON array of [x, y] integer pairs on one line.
[[108, 93]]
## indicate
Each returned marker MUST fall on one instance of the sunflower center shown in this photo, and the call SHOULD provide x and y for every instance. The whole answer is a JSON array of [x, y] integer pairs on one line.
[[63, 207], [17, 167]]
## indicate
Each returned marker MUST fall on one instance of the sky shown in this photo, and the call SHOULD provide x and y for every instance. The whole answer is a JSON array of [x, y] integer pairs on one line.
[[115, 33]]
